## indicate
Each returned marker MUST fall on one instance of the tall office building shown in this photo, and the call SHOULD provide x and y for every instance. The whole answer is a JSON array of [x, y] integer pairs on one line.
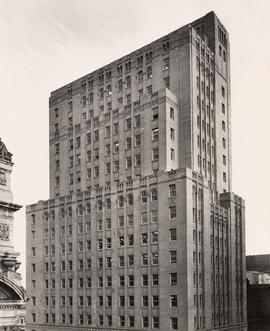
[[141, 230]]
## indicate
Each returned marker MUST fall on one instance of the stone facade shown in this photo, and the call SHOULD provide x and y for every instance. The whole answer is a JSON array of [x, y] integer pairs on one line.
[[141, 230], [12, 295]]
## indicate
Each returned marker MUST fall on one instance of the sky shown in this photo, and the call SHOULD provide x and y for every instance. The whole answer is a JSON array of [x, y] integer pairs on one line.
[[46, 44]]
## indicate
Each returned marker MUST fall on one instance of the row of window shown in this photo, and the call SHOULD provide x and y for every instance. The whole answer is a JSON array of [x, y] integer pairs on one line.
[[121, 243], [87, 319], [153, 195], [87, 282], [122, 301]]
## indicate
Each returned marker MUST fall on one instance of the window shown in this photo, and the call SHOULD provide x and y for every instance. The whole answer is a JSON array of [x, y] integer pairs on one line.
[[223, 125], [154, 216], [120, 201], [155, 279], [144, 238], [128, 143], [166, 82], [130, 260], [154, 258], [121, 280], [172, 191], [172, 154], [173, 235], [223, 108], [109, 301], [121, 301], [223, 91], [166, 63], [144, 259], [173, 300], [116, 147], [122, 320], [155, 134], [143, 196], [144, 280], [116, 166], [115, 128], [128, 124], [137, 160], [155, 154], [149, 72], [107, 168], [137, 140], [145, 301], [121, 221], [172, 212], [144, 218], [171, 113], [173, 256], [131, 280], [224, 177], [172, 133], [121, 241], [121, 261], [155, 300], [107, 131], [145, 322], [224, 142], [174, 323], [173, 278], [224, 159], [155, 113], [130, 219], [154, 238], [155, 322], [154, 194], [109, 281]]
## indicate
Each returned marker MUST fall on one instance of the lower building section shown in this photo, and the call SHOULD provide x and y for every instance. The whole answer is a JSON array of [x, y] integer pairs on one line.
[[158, 252], [45, 327]]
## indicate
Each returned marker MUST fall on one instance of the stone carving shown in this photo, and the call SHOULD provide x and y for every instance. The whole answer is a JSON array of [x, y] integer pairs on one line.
[[3, 180], [4, 232], [4, 153]]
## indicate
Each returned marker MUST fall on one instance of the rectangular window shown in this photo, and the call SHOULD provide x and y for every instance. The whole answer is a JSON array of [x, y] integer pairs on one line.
[[172, 154], [172, 191], [171, 113], [155, 134], [172, 133], [173, 256], [173, 278], [173, 235], [172, 212], [155, 113], [155, 154]]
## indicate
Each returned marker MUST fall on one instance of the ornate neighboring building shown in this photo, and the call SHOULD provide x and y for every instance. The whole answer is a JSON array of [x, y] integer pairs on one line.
[[12, 295], [142, 230]]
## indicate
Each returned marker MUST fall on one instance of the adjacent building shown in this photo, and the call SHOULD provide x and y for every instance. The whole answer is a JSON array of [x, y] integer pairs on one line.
[[12, 295], [258, 291], [141, 230]]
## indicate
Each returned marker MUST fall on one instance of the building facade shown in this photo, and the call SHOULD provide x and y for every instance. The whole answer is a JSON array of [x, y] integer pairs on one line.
[[12, 295], [141, 229]]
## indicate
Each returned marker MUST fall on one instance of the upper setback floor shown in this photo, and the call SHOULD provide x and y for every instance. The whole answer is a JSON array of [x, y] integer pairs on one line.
[[182, 62]]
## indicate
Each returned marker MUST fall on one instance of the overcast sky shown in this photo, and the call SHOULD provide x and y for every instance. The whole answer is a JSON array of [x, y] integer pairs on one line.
[[48, 43]]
